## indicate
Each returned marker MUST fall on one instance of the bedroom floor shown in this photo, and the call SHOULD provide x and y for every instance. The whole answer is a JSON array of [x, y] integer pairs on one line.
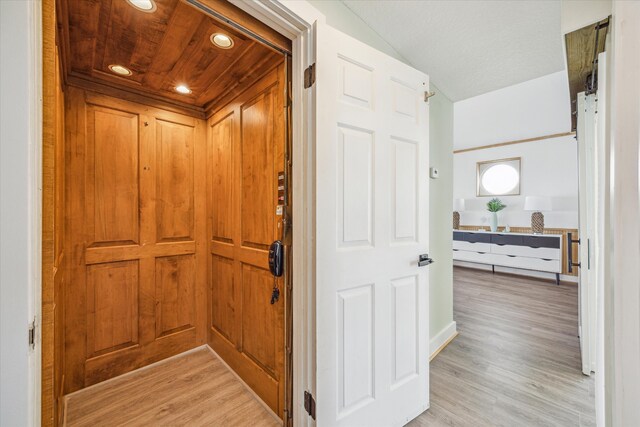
[[516, 360]]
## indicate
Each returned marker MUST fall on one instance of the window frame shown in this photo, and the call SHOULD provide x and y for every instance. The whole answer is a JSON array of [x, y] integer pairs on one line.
[[482, 167]]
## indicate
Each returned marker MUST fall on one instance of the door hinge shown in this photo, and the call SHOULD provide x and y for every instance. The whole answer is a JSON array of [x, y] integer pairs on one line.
[[310, 404], [32, 334], [310, 76]]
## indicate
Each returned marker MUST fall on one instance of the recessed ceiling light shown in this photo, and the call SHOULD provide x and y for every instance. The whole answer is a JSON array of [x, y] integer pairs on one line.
[[120, 70], [148, 6], [183, 89], [223, 41]]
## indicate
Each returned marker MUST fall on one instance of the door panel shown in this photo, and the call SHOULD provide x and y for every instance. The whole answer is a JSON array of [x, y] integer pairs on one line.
[[174, 183], [355, 338], [223, 302], [246, 152], [175, 294], [112, 176], [135, 211], [405, 354], [355, 187], [221, 188], [372, 332], [112, 306], [257, 133], [260, 331], [404, 190]]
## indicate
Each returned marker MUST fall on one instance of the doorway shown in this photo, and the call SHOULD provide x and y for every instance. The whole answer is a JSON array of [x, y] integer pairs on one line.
[[172, 181]]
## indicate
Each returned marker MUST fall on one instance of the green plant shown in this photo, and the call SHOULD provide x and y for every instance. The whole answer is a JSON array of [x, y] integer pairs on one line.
[[495, 205]]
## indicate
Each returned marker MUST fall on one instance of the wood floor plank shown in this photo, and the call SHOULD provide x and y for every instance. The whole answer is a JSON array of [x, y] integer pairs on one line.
[[516, 360], [194, 389]]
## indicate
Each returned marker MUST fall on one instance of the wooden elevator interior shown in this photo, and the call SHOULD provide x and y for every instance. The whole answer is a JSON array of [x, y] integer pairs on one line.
[[166, 202]]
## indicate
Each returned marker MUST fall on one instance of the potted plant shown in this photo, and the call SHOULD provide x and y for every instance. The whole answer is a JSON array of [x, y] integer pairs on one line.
[[494, 206]]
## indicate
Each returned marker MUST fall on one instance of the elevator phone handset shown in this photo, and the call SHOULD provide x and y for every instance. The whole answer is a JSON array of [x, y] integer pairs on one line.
[[276, 258], [276, 261]]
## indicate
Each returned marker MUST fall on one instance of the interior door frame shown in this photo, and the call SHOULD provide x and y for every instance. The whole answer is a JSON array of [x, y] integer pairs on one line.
[[621, 292], [294, 20], [21, 275]]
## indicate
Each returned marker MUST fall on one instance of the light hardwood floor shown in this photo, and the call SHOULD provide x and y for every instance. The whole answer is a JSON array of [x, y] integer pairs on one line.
[[516, 361], [194, 389]]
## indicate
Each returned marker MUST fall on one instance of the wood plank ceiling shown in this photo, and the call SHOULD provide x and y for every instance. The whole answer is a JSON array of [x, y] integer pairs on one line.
[[163, 49]]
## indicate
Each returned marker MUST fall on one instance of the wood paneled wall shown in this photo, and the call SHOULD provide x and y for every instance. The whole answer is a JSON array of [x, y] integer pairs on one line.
[[125, 243], [246, 153], [562, 231], [162, 259], [60, 244], [54, 271], [137, 227]]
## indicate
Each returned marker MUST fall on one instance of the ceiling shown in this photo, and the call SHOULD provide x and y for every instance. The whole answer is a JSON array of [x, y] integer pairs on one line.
[[470, 47], [163, 49]]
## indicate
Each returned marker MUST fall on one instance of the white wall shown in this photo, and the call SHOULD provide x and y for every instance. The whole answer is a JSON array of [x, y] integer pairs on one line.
[[441, 324], [340, 17], [526, 110], [17, 86], [576, 14], [548, 168], [440, 155]]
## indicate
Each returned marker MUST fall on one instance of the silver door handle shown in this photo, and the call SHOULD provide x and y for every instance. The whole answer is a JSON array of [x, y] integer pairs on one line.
[[424, 260]]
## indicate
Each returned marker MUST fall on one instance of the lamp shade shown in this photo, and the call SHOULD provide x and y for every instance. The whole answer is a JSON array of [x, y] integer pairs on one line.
[[537, 204], [458, 205]]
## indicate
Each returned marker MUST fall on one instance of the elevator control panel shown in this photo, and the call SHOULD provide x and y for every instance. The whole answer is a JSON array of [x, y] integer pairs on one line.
[[281, 188]]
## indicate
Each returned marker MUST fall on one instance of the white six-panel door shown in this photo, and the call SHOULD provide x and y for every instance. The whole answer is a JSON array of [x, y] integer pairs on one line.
[[372, 130]]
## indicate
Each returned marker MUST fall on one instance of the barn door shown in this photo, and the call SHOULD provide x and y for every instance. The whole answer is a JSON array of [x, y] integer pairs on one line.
[[589, 194], [372, 330]]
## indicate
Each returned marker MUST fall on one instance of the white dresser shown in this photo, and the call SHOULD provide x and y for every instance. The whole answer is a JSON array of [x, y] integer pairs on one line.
[[516, 250]]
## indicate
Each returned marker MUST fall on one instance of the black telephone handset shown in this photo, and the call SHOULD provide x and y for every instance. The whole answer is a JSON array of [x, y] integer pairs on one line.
[[276, 258]]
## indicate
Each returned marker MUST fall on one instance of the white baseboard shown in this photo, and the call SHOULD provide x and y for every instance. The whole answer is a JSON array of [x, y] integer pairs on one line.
[[442, 338]]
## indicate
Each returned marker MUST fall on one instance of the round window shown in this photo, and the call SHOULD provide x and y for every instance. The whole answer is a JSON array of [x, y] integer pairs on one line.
[[500, 179]]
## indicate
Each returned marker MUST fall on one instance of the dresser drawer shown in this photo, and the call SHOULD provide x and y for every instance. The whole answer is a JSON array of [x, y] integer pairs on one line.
[[526, 251], [481, 257], [458, 235], [506, 239], [471, 246], [552, 265], [542, 241], [477, 237]]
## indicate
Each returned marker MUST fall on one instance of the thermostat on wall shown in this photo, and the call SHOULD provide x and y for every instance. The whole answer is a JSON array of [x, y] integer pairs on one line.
[[433, 173]]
